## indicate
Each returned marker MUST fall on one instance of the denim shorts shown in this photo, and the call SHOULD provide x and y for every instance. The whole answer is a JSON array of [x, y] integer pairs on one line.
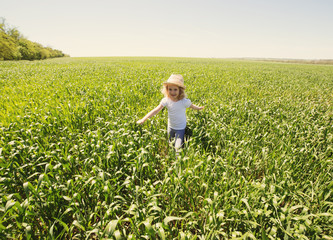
[[177, 136]]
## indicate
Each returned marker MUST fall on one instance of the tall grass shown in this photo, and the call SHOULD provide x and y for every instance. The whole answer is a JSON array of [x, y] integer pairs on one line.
[[74, 165]]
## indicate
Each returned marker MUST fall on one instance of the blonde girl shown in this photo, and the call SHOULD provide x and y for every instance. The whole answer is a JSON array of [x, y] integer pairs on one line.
[[176, 102]]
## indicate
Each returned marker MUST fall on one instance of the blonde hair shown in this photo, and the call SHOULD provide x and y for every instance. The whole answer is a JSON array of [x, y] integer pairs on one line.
[[165, 91]]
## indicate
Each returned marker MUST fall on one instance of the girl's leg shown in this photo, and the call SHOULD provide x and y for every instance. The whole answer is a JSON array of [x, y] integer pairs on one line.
[[179, 138], [171, 134]]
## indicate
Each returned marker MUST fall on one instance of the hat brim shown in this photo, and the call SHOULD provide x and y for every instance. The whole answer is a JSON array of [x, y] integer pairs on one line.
[[176, 84]]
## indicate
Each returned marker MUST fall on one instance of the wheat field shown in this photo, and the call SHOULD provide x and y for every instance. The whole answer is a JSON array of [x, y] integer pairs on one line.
[[75, 165]]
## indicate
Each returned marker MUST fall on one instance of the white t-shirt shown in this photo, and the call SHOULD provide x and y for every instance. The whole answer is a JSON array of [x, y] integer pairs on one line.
[[176, 112]]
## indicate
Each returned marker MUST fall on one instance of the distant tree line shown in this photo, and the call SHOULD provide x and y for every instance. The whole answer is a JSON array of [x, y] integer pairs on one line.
[[13, 46]]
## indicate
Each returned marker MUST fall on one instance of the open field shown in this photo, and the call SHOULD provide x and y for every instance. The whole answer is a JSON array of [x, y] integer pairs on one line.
[[298, 61], [74, 165]]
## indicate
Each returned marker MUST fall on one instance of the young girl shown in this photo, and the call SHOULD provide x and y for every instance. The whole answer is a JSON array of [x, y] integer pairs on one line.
[[175, 101]]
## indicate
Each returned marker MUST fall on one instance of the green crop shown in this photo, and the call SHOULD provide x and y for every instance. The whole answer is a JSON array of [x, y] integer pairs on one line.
[[75, 165]]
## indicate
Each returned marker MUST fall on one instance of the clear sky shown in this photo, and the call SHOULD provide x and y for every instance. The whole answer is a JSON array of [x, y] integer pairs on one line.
[[301, 29]]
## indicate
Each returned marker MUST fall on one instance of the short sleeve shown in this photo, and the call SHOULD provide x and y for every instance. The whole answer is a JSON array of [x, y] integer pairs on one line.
[[164, 102], [187, 103]]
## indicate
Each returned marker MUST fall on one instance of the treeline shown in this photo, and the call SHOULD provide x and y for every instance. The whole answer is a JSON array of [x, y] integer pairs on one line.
[[13, 46]]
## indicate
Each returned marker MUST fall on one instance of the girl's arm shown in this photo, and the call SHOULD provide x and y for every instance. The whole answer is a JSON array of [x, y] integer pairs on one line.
[[151, 114], [196, 107]]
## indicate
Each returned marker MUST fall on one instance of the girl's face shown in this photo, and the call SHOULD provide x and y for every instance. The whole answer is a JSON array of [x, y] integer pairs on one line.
[[173, 92]]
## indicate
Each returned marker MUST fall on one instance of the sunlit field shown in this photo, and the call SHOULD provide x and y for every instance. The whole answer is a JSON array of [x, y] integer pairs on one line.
[[75, 165]]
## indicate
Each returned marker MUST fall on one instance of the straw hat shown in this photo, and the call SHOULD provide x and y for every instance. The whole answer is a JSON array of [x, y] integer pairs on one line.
[[175, 79]]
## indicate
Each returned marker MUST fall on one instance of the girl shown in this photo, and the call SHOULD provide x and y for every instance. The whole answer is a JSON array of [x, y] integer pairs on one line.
[[174, 99]]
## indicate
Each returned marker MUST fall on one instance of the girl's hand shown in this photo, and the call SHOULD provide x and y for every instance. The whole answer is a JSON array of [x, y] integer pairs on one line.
[[140, 122], [196, 107], [150, 114]]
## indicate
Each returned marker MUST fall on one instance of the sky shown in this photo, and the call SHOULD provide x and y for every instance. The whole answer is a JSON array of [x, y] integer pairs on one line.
[[293, 29]]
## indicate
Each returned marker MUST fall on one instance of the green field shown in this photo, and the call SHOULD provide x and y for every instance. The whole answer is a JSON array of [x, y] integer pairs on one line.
[[75, 165]]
